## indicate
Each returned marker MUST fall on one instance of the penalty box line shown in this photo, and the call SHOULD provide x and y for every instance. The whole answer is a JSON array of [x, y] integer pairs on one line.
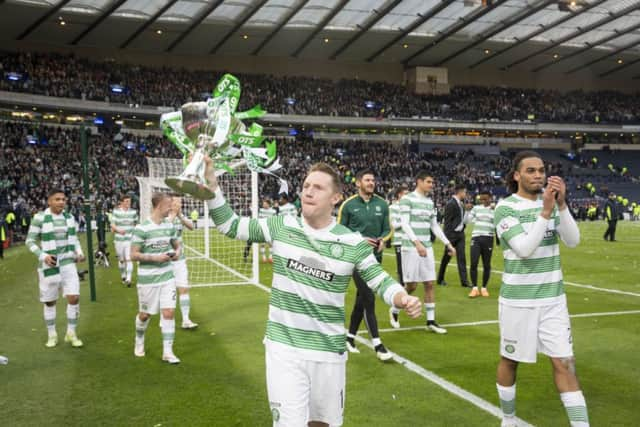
[[435, 379]]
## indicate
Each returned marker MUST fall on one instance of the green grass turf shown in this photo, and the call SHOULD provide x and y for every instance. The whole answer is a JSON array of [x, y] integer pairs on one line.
[[221, 378]]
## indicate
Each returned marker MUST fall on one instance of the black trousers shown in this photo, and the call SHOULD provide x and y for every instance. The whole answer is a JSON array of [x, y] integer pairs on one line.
[[611, 230], [365, 307], [457, 241], [398, 249], [481, 246]]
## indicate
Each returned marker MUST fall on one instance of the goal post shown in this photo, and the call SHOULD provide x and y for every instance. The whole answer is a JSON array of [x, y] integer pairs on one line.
[[212, 258]]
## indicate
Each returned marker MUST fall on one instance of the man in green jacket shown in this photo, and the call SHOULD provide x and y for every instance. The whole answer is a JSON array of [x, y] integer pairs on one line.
[[368, 214]]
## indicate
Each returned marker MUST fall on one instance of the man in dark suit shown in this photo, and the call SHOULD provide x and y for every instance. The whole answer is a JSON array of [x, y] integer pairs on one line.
[[454, 224]]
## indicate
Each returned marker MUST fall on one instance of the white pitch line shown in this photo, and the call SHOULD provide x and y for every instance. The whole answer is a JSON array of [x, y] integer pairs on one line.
[[595, 288], [447, 385], [493, 322]]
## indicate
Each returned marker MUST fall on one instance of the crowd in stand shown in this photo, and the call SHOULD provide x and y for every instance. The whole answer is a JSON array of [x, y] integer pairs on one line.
[[35, 159], [72, 77]]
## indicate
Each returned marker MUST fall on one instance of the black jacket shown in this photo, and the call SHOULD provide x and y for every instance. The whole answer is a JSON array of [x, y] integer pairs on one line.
[[452, 217]]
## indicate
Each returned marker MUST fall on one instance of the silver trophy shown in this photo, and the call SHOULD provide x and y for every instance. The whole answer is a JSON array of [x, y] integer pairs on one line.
[[214, 128], [207, 134]]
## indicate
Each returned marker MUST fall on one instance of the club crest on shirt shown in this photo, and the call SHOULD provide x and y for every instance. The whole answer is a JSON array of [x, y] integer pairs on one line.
[[336, 251]]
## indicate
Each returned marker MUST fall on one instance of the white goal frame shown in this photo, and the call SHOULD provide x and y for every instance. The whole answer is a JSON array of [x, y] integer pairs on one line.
[[159, 169]]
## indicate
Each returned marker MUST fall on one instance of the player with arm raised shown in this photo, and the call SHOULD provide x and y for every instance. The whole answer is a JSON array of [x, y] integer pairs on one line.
[[313, 261], [180, 270], [533, 310], [123, 221], [154, 246]]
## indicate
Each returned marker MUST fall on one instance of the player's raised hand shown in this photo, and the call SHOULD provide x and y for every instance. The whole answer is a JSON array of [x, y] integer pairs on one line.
[[548, 201], [557, 184], [412, 306]]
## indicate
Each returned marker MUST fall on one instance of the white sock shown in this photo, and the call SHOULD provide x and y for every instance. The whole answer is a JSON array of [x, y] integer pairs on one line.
[[376, 341], [576, 408], [263, 251], [122, 268], [185, 305], [50, 319], [350, 335], [168, 328], [73, 313], [129, 270], [507, 397], [141, 327], [430, 308]]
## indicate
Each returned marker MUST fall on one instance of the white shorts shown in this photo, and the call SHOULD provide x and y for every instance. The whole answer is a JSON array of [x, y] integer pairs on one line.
[[416, 268], [123, 250], [527, 331], [69, 284], [300, 390], [180, 273], [152, 299]]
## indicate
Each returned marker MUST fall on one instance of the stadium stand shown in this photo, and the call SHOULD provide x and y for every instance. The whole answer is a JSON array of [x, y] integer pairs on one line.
[[73, 77]]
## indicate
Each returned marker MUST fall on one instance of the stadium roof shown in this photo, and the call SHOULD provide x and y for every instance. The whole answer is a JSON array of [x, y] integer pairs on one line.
[[602, 36]]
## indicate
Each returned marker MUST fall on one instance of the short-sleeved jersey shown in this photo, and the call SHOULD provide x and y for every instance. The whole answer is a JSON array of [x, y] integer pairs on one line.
[[396, 223], [420, 211], [536, 280], [125, 220], [482, 219], [311, 272], [288, 210], [154, 239]]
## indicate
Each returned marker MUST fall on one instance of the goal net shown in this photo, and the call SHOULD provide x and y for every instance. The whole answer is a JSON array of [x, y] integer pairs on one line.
[[212, 258]]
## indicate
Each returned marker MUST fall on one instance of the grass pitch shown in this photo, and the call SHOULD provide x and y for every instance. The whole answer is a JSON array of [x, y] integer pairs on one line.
[[220, 381]]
